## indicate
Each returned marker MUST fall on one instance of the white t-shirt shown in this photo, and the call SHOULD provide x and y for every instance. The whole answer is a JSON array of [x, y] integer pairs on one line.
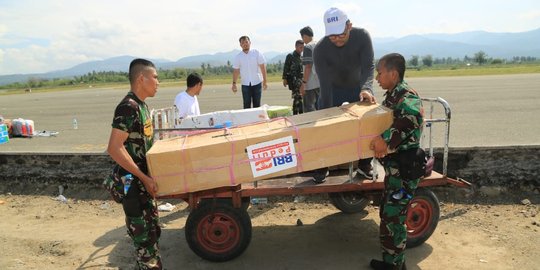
[[186, 105], [248, 63]]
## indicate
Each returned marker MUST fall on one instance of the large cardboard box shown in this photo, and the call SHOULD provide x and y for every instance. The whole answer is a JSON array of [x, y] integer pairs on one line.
[[263, 150]]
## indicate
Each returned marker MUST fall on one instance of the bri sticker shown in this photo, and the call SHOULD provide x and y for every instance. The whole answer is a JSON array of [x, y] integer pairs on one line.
[[272, 156]]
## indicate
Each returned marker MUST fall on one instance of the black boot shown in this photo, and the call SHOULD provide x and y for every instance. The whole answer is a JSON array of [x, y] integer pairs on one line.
[[380, 265]]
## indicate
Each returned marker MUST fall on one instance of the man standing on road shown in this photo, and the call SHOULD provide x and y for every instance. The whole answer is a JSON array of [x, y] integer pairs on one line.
[[131, 137], [310, 83], [251, 66], [292, 76], [344, 62]]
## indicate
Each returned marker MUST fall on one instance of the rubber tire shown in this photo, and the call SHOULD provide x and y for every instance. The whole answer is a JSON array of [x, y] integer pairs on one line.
[[349, 202], [422, 217], [226, 238]]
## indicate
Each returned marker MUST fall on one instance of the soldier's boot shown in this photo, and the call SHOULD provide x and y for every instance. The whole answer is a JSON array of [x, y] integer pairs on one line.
[[380, 265]]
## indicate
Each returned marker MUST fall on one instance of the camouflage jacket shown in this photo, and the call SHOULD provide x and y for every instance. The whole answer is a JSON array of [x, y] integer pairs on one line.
[[408, 117], [292, 70], [132, 116]]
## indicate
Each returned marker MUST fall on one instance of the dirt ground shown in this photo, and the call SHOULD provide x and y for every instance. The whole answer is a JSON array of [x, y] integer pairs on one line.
[[37, 231]]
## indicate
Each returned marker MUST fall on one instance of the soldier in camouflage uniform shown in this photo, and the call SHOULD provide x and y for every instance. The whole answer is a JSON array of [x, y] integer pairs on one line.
[[131, 137], [404, 134], [292, 76]]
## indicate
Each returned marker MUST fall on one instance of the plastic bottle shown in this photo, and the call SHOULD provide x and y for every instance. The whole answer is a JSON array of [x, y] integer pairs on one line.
[[398, 195], [75, 124], [127, 179], [259, 200]]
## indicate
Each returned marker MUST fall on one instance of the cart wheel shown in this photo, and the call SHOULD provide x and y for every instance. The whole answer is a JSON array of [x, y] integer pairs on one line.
[[245, 202], [422, 217], [218, 232], [349, 202]]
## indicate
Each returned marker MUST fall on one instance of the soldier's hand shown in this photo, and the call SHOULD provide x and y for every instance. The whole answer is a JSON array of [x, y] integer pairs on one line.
[[379, 147], [150, 185], [284, 83]]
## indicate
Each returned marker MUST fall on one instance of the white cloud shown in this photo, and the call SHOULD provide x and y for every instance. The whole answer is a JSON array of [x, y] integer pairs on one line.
[[531, 15], [3, 30], [40, 36]]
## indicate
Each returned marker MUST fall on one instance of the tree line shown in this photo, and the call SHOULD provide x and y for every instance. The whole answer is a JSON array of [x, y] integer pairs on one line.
[[206, 69], [480, 58], [100, 77]]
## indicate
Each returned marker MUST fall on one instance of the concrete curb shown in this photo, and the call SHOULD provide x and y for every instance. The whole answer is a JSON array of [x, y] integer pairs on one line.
[[507, 166]]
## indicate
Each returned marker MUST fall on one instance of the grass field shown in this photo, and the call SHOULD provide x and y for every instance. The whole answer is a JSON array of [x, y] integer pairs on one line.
[[473, 70], [436, 71]]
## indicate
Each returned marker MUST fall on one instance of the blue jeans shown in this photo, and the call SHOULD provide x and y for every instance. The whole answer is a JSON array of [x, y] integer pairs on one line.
[[311, 100], [252, 94]]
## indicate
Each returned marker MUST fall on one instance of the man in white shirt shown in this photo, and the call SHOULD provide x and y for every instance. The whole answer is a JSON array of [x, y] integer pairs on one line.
[[251, 66], [186, 102]]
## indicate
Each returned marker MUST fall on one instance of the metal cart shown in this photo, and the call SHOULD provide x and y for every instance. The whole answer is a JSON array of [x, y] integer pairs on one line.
[[219, 228]]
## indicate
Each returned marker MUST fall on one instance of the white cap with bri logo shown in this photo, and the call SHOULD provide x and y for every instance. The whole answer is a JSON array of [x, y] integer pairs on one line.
[[334, 21]]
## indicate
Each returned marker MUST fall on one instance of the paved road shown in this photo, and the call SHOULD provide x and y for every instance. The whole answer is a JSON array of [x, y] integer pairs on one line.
[[486, 111]]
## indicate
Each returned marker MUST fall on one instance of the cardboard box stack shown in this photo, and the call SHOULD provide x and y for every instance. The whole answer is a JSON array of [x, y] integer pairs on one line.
[[262, 150]]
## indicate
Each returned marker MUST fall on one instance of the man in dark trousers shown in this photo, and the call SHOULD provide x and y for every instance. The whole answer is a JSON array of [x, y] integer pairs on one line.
[[344, 62], [403, 136], [310, 89], [131, 137], [250, 66], [292, 76]]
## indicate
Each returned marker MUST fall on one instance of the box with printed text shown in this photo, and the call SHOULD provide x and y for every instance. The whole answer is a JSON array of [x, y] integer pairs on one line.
[[262, 150]]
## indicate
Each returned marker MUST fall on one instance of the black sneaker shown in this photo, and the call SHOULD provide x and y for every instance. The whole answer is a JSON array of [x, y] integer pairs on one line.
[[320, 177], [365, 172]]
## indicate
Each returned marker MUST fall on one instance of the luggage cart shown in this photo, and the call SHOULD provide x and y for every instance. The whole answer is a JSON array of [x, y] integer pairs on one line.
[[219, 228]]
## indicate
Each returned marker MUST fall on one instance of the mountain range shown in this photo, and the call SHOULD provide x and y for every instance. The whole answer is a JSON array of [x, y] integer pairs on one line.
[[459, 45]]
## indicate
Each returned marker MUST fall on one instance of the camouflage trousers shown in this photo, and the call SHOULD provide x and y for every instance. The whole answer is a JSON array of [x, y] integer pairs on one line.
[[298, 103], [395, 200], [142, 224]]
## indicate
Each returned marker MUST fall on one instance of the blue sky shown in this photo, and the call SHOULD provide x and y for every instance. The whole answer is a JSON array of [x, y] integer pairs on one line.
[[42, 36]]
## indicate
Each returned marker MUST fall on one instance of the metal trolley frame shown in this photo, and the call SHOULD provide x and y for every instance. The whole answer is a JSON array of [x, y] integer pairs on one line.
[[218, 227]]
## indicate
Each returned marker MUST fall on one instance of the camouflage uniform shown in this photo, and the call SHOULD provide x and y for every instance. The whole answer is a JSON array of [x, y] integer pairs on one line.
[[132, 116], [398, 192], [292, 72]]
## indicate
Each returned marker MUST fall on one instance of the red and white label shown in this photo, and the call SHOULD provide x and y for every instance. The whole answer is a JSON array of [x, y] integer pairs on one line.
[[272, 156]]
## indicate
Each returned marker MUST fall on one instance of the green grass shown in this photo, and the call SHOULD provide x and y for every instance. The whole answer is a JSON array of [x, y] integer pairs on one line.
[[65, 88], [435, 71], [473, 70]]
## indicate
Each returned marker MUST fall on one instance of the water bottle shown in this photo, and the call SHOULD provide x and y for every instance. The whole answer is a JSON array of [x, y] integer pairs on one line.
[[127, 179], [75, 124], [398, 195], [259, 200]]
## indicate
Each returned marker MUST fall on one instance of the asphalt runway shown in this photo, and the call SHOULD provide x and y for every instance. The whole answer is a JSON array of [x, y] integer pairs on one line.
[[486, 111]]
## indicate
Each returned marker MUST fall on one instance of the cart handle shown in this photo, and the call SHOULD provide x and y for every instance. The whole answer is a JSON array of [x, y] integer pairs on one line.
[[446, 120]]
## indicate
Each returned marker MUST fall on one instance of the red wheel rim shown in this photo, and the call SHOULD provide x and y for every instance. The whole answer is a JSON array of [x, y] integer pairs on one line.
[[218, 233], [418, 217]]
